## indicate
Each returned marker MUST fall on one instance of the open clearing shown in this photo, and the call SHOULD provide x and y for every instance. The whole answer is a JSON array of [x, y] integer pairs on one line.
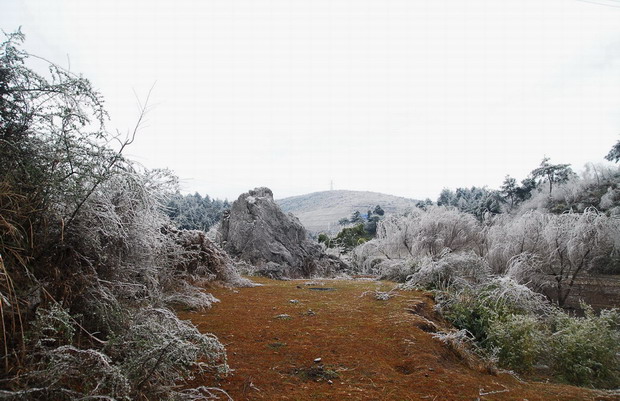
[[368, 349]]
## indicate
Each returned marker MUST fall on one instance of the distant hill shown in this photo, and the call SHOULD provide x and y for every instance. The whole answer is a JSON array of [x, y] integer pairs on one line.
[[320, 211]]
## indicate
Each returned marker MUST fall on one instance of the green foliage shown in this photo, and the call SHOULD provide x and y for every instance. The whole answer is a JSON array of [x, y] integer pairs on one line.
[[509, 191], [478, 308], [350, 237], [515, 326], [371, 225], [586, 350], [517, 341], [344, 221], [324, 239], [356, 217], [425, 204], [364, 230]]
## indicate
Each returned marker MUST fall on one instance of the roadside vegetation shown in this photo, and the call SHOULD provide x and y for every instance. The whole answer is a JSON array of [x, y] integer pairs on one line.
[[506, 275], [89, 262]]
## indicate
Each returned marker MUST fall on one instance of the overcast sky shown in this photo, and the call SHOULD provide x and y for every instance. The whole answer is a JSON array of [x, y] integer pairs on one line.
[[404, 97]]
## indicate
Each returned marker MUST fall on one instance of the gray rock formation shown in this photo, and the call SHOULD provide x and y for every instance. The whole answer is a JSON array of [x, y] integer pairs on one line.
[[257, 231]]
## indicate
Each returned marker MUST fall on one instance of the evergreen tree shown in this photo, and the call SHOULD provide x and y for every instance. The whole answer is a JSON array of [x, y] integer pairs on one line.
[[356, 217], [195, 212], [509, 190], [552, 173], [614, 153]]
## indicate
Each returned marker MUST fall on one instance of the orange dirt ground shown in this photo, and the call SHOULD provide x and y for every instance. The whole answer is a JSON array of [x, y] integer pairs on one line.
[[369, 349]]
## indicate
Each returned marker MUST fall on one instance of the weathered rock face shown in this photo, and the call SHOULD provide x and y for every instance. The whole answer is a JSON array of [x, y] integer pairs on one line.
[[256, 230]]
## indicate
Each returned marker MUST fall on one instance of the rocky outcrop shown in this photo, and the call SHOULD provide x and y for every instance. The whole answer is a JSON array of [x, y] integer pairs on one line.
[[258, 232]]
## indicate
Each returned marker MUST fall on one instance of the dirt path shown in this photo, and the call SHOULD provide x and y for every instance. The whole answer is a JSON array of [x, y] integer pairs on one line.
[[369, 349]]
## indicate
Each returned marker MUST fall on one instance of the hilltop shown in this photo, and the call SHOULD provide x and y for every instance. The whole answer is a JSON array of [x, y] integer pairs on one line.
[[320, 211]]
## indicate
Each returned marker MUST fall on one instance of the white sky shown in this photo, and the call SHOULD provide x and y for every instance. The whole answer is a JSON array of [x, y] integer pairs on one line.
[[398, 96]]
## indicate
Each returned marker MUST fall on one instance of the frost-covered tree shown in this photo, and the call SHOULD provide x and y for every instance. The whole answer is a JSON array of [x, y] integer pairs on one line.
[[378, 210], [447, 197], [195, 212], [356, 217], [476, 201], [509, 191], [598, 187], [552, 173], [552, 251], [614, 153], [432, 233]]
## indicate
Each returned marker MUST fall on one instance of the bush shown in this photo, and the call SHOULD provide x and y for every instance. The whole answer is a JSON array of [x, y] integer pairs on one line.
[[539, 248], [586, 350], [454, 270], [158, 350], [396, 270], [350, 237], [90, 261], [519, 329], [431, 233], [477, 308], [517, 341]]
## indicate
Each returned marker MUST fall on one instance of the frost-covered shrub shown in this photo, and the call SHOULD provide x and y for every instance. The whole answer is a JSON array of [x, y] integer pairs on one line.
[[611, 198], [510, 236], [196, 258], [454, 270], [520, 329], [396, 270], [586, 350], [431, 233], [517, 341], [369, 258], [155, 353], [62, 371], [158, 350], [477, 308], [83, 227], [69, 373], [125, 268], [52, 327], [542, 248], [462, 345]]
